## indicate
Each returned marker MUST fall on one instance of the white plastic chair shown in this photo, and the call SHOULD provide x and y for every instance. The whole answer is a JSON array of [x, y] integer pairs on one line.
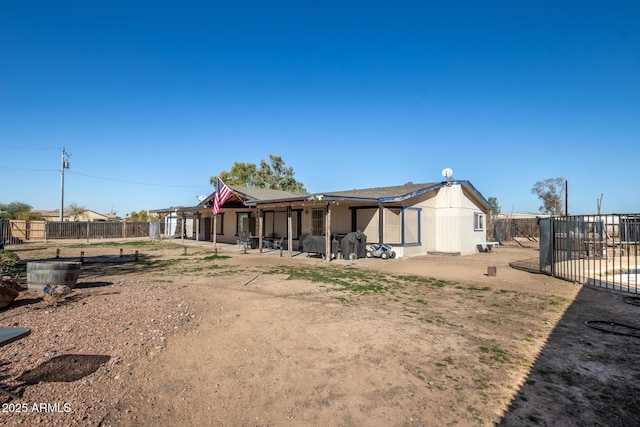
[[278, 244]]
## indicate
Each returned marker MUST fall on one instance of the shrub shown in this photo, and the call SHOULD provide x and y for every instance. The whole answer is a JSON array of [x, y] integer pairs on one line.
[[8, 261]]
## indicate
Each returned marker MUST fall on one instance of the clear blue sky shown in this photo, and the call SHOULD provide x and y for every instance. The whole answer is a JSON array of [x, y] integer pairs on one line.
[[152, 98]]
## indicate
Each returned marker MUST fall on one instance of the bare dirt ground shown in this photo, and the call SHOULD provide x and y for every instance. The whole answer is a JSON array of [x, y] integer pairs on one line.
[[178, 339]]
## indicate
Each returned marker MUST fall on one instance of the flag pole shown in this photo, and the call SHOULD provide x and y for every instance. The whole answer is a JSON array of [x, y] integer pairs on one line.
[[214, 230]]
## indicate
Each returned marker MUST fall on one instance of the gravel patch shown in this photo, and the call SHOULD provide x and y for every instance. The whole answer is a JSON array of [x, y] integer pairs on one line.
[[79, 358]]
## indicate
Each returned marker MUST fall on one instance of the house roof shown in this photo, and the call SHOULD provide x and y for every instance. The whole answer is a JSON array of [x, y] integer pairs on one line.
[[383, 193], [244, 194], [254, 196], [264, 193], [56, 212], [396, 193], [240, 194]]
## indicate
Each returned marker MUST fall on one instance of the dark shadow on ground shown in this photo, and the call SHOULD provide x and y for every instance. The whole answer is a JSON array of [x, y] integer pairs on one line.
[[99, 266], [4, 377], [90, 260], [18, 302], [584, 376], [88, 285], [64, 368]]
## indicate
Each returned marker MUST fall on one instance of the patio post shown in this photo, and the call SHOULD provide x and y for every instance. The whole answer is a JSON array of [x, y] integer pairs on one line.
[[289, 232], [260, 225], [327, 240]]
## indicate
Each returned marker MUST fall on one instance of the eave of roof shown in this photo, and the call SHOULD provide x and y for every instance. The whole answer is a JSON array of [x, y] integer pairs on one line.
[[252, 197], [393, 194]]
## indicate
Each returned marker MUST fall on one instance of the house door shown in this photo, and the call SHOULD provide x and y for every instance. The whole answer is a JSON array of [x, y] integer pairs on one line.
[[206, 231], [317, 222], [246, 223]]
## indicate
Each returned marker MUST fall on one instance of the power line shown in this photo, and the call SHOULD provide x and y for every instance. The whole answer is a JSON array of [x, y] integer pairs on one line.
[[9, 147], [136, 183], [29, 169], [105, 179]]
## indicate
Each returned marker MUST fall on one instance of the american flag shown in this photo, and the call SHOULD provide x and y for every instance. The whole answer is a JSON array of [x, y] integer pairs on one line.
[[222, 194]]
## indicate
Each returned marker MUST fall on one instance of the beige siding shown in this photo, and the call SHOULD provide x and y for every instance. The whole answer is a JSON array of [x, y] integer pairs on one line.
[[471, 237], [228, 233], [340, 219], [367, 222], [448, 220], [454, 222]]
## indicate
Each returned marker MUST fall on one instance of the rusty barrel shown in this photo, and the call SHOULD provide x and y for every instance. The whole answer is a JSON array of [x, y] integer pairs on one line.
[[42, 274]]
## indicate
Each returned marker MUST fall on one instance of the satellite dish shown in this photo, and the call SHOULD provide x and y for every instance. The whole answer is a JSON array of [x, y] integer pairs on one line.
[[448, 174], [201, 197]]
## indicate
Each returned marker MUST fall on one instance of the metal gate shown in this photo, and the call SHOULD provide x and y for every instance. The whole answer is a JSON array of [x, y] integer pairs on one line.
[[154, 230], [598, 250]]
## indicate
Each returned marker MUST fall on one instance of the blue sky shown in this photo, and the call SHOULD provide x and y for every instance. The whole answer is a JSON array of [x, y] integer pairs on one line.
[[152, 98]]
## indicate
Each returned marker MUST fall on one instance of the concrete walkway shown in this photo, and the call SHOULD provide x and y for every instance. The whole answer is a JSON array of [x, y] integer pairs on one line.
[[229, 247]]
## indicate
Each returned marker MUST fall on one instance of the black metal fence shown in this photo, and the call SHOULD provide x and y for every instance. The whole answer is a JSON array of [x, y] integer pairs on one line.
[[598, 250], [16, 232]]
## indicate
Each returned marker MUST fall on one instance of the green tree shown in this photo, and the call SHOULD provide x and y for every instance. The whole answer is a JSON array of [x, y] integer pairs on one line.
[[495, 206], [141, 216], [18, 210], [551, 191], [240, 174], [273, 175], [75, 211]]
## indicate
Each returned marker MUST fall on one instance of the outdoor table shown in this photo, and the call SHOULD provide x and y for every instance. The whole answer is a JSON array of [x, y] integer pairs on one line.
[[7, 336]]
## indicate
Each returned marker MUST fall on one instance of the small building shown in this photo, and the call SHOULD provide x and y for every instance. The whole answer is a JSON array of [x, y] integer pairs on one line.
[[417, 219], [87, 215]]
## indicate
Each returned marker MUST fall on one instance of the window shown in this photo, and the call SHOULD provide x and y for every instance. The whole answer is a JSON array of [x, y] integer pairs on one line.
[[478, 221], [245, 224], [411, 226]]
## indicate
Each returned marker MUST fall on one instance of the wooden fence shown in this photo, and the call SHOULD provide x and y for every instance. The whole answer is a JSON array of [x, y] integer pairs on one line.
[[16, 232]]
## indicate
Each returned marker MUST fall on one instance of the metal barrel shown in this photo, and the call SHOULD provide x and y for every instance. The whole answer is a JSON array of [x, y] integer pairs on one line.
[[41, 274]]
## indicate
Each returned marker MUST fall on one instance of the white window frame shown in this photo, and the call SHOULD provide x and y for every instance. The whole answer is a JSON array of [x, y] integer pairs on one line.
[[478, 221]]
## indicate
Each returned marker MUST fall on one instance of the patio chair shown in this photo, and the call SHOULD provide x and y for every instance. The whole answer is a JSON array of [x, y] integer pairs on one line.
[[278, 244], [245, 241]]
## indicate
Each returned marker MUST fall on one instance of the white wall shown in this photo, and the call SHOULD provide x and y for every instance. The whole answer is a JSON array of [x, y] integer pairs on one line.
[[449, 222]]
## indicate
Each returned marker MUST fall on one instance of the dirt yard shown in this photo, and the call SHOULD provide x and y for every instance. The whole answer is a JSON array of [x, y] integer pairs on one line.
[[233, 339]]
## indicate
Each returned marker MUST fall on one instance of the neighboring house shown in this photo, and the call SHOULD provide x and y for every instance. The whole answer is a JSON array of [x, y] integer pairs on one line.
[[417, 219], [87, 215]]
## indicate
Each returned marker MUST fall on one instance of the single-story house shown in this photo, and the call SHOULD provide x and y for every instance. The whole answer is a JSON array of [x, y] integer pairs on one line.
[[87, 215], [417, 219]]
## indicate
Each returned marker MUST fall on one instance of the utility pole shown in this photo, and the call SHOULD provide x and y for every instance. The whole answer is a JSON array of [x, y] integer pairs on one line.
[[64, 164], [600, 203], [566, 197]]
